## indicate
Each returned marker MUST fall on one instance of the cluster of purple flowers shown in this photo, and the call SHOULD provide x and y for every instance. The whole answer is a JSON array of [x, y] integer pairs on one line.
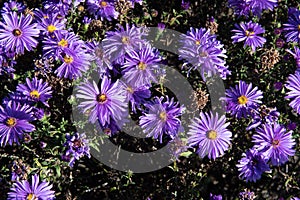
[[21, 108], [272, 141], [201, 49]]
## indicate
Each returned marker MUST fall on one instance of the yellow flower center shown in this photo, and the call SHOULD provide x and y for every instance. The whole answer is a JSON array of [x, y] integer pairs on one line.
[[249, 33], [125, 40], [242, 100], [163, 116], [34, 94], [103, 3], [11, 122], [130, 90], [142, 66], [211, 134], [31, 197], [51, 28], [17, 32], [101, 98], [299, 27], [203, 54], [68, 59], [63, 43], [197, 42], [275, 143], [46, 17]]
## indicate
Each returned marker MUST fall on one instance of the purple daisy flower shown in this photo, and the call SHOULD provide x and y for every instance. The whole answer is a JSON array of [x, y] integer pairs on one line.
[[262, 115], [74, 62], [58, 6], [118, 43], [36, 90], [99, 56], [274, 142], [296, 55], [14, 122], [162, 117], [137, 95], [54, 46], [201, 49], [35, 190], [18, 33], [142, 67], [13, 6], [51, 24], [249, 32], [291, 28], [242, 99], [252, 165], [210, 135], [102, 9], [102, 103], [293, 84], [244, 7], [77, 147]]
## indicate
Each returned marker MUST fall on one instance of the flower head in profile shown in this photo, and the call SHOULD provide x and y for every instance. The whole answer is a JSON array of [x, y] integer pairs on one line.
[[142, 67], [293, 85], [102, 9], [274, 142], [19, 170], [200, 49], [18, 33], [36, 90], [162, 117], [256, 7], [14, 122], [242, 98], [291, 28], [210, 135], [123, 40], [104, 103], [35, 190], [262, 115], [249, 33], [296, 55], [13, 6], [77, 146], [252, 165]]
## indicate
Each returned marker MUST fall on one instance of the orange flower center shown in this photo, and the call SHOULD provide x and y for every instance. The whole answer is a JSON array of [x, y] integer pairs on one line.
[[31, 197], [142, 66], [197, 42], [17, 32], [163, 116], [275, 143], [101, 98], [249, 33], [125, 40], [242, 100], [130, 90], [211, 134], [11, 122], [103, 3], [68, 59]]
